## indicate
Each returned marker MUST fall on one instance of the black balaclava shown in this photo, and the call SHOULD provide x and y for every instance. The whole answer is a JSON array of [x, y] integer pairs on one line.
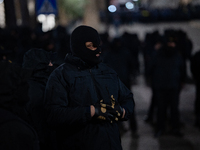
[[79, 37]]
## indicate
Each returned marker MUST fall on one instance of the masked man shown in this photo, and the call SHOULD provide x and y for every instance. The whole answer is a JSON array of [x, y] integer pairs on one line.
[[85, 98]]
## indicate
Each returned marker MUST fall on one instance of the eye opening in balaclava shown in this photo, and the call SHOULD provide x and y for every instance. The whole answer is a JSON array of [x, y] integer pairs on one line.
[[79, 37]]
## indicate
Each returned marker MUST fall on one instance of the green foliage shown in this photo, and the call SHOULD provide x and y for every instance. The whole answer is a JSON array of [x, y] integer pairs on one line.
[[73, 8]]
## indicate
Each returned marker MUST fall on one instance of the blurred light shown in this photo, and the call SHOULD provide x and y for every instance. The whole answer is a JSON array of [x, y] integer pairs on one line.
[[48, 21], [129, 5], [2, 15], [51, 21], [41, 18], [135, 0], [145, 13], [112, 8], [31, 7]]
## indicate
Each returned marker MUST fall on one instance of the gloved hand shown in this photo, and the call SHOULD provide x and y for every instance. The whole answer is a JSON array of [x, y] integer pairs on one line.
[[102, 113], [115, 109]]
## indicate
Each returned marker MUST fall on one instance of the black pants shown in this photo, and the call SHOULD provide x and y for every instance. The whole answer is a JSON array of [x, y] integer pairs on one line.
[[197, 103], [152, 107], [167, 99]]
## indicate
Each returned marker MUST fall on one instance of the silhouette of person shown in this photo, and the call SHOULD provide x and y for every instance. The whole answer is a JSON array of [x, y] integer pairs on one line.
[[194, 67], [85, 98], [41, 63], [167, 77], [15, 130]]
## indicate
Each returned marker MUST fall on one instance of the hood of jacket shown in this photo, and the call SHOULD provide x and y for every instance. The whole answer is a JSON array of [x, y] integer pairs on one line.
[[38, 61]]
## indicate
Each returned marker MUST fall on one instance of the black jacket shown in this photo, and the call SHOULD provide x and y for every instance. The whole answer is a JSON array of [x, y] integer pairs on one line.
[[195, 65], [70, 91], [16, 134], [167, 70], [15, 131], [37, 60], [122, 62]]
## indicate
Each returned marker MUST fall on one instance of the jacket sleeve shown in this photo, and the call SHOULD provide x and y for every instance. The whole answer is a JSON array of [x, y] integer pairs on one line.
[[58, 112], [126, 100]]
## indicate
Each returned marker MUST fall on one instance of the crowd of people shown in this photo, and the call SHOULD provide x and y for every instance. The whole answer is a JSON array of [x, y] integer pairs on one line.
[[58, 93], [165, 71], [145, 14]]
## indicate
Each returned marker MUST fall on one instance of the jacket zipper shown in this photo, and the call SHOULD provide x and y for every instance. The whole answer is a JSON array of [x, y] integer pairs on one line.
[[95, 87]]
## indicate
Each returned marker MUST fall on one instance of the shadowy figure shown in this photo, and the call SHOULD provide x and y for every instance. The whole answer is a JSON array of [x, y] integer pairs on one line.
[[15, 131], [132, 43], [157, 45], [167, 77], [85, 99], [41, 63], [149, 49], [194, 67]]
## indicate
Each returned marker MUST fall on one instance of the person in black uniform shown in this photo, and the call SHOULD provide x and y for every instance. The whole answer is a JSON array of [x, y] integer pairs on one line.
[[194, 66], [85, 98], [167, 78], [16, 133], [41, 63]]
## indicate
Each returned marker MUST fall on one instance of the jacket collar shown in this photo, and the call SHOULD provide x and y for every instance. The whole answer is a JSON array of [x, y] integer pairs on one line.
[[72, 59]]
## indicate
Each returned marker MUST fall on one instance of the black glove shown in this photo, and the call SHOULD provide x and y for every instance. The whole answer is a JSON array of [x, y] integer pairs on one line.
[[102, 113], [115, 109]]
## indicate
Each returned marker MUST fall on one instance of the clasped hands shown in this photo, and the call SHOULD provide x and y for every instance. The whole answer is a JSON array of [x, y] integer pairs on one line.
[[110, 113]]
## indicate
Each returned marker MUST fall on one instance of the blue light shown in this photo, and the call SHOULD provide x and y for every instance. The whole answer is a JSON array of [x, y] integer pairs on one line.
[[112, 8], [129, 5]]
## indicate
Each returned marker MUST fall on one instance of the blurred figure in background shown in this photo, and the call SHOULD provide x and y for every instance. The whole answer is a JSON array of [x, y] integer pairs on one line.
[[195, 69], [62, 42], [15, 42], [156, 47], [167, 73], [133, 44], [41, 63], [15, 131], [24, 43], [151, 46], [105, 42], [183, 44], [149, 49]]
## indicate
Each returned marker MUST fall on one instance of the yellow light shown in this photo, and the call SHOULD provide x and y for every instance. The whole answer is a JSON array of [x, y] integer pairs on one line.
[[145, 13]]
